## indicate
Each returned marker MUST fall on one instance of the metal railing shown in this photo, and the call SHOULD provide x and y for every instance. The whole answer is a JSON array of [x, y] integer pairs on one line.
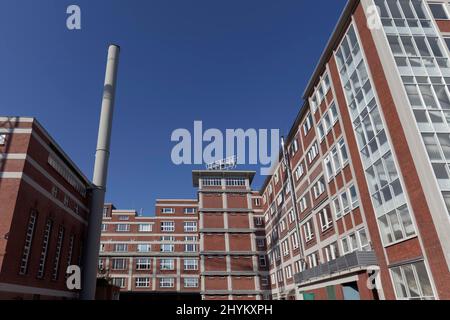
[[347, 262]]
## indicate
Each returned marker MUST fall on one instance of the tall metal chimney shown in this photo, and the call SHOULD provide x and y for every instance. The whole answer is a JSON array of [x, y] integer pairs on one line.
[[91, 248]]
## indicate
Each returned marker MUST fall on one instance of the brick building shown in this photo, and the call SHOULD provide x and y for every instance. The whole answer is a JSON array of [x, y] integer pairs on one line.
[[44, 211], [159, 254], [369, 159], [369, 155], [212, 247]]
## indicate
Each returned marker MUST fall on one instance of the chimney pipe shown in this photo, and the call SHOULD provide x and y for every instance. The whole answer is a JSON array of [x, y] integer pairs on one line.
[[92, 245]]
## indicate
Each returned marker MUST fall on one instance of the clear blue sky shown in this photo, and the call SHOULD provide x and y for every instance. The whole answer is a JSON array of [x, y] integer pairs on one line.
[[231, 64]]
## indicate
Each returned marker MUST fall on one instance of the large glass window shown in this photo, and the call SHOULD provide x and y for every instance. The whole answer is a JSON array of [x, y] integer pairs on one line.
[[411, 282], [381, 171], [423, 65]]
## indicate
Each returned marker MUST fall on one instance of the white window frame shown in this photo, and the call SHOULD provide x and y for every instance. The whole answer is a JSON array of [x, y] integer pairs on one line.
[[143, 263], [308, 230], [191, 282], [142, 282], [167, 264], [166, 282], [190, 226], [122, 227], [145, 227], [167, 226], [190, 264], [326, 219]]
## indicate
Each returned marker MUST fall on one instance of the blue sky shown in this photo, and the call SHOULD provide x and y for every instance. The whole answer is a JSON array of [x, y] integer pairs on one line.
[[231, 64]]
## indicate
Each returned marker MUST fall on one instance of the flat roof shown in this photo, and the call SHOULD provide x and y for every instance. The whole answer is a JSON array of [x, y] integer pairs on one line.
[[196, 174], [57, 148]]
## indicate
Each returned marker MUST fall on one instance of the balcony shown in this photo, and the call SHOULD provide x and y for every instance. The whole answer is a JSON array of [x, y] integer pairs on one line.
[[357, 259]]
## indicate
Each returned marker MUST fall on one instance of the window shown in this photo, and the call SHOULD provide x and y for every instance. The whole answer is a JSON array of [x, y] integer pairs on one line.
[[334, 113], [191, 282], [412, 56], [319, 188], [353, 197], [190, 264], [119, 282], [336, 160], [101, 265], [167, 238], [142, 282], [326, 220], [168, 210], [119, 264], [143, 264], [313, 260], [337, 207], [411, 282], [285, 248], [167, 264], [145, 227], [288, 271], [102, 247], [259, 221], [313, 152], [190, 247], [211, 182], [276, 177], [44, 250], [326, 82], [279, 199], [190, 239], [303, 204], [57, 258], [122, 227], [167, 248], [343, 152], [2, 139], [294, 241], [121, 247], [235, 182], [355, 241], [28, 243], [190, 226], [331, 252], [66, 201], [167, 226], [308, 124], [105, 212], [260, 243], [166, 282], [124, 218], [291, 216], [345, 203], [262, 261], [298, 266], [320, 131], [144, 247], [439, 11], [257, 202], [294, 147], [299, 171], [396, 226], [55, 191], [308, 230], [190, 210]]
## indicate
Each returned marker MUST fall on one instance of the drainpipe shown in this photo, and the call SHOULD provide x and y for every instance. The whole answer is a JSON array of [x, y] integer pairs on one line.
[[91, 250]]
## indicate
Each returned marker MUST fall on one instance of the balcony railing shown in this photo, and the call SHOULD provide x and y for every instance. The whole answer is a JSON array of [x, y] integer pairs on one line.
[[347, 262]]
